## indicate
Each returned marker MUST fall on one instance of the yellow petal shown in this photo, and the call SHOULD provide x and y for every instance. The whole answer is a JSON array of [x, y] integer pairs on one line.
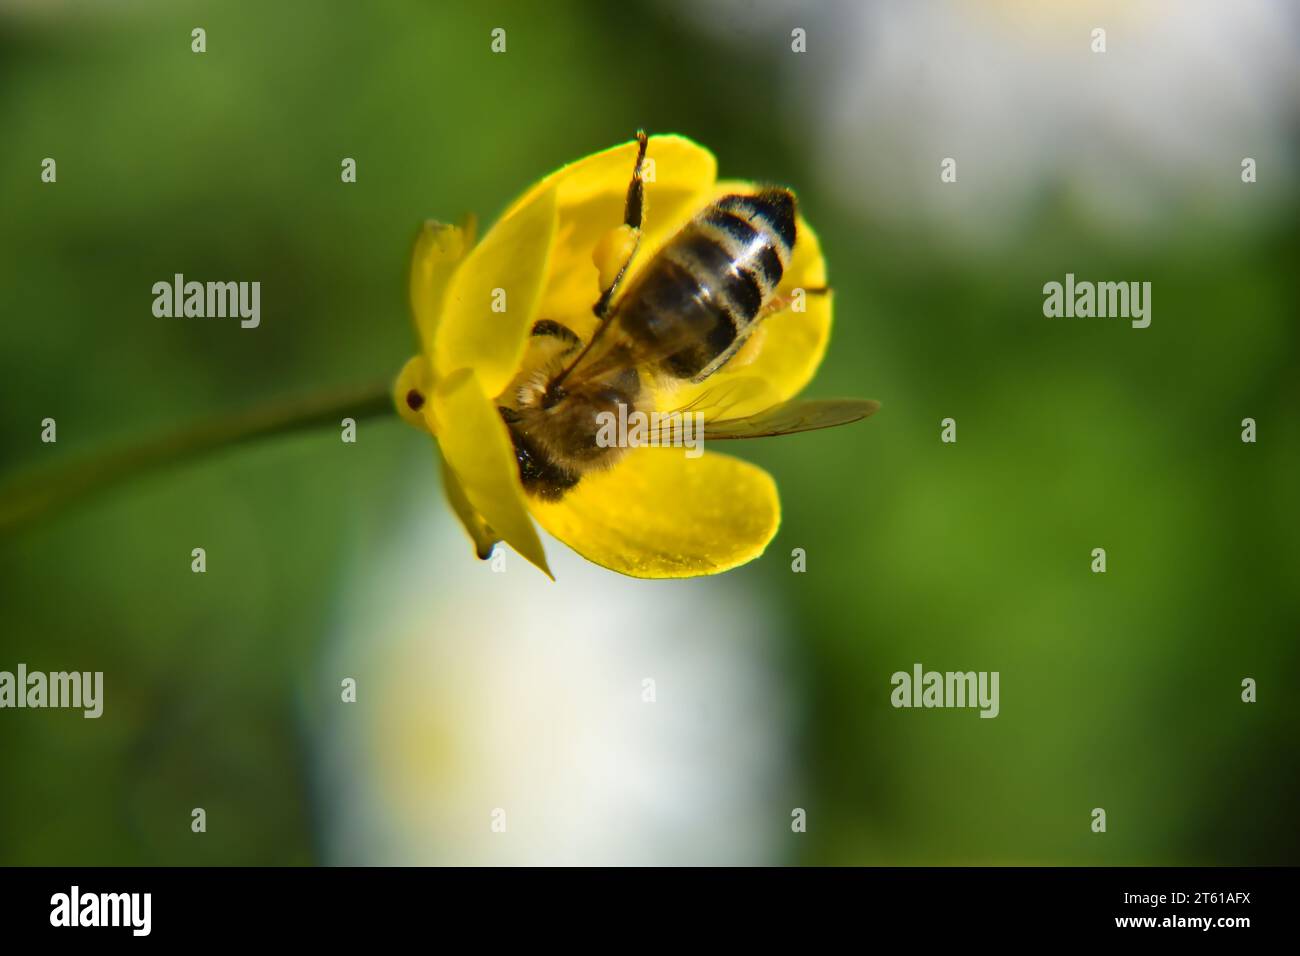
[[591, 193], [437, 251], [475, 525], [793, 343], [492, 300], [478, 450], [659, 514], [411, 392]]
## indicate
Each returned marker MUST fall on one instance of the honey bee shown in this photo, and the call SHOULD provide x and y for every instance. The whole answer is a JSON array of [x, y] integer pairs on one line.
[[683, 317]]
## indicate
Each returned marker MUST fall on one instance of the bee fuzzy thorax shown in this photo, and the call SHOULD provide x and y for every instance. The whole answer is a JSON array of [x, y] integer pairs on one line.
[[554, 426]]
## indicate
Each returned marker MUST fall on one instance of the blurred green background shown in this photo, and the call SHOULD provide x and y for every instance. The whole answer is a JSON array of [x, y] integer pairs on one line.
[[1119, 690]]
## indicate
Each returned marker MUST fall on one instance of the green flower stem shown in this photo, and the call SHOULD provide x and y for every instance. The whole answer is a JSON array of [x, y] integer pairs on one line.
[[28, 497]]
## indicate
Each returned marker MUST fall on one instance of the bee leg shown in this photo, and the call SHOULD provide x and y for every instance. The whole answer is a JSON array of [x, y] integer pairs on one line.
[[780, 303], [633, 208], [552, 329], [624, 240]]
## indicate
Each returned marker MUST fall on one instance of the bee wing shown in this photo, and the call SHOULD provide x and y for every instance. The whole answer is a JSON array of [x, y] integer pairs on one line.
[[719, 401], [791, 417]]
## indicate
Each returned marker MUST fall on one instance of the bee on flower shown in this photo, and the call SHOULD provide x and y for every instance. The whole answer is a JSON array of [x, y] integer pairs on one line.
[[599, 297]]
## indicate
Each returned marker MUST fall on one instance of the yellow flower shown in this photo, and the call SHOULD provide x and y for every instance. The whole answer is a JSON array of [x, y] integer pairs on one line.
[[655, 513]]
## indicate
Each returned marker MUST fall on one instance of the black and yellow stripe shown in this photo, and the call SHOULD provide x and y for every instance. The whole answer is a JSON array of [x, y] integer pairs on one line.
[[711, 280]]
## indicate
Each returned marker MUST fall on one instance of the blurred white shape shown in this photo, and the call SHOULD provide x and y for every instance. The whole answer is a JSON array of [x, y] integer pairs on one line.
[[1156, 125], [480, 690]]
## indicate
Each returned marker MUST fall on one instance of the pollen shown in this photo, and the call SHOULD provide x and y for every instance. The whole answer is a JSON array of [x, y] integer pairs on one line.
[[612, 251]]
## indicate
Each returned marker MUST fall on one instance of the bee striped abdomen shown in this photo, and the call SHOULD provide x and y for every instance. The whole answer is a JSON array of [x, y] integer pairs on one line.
[[712, 280]]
